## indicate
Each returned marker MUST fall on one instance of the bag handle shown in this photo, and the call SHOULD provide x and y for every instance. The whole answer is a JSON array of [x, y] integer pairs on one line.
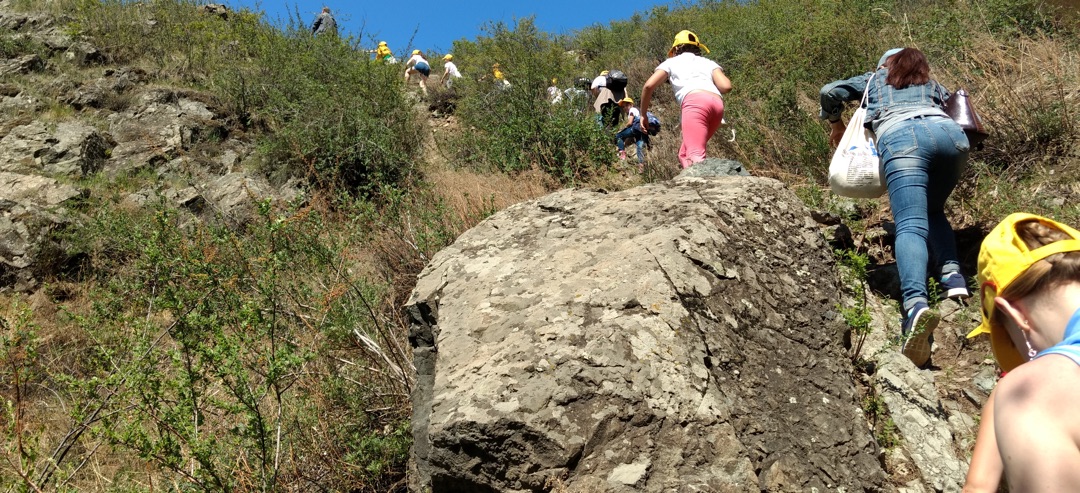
[[866, 92]]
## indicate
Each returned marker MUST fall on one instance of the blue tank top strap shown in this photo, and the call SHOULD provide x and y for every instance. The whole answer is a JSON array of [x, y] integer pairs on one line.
[[1070, 346]]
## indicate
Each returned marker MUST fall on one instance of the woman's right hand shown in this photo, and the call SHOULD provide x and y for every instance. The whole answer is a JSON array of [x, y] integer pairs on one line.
[[836, 132]]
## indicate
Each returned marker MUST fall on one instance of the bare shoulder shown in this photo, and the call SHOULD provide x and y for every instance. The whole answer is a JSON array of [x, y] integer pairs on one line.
[[1048, 383], [1037, 429]]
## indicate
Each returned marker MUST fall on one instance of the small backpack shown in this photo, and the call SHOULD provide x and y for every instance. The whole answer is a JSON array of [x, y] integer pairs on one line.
[[654, 123], [616, 80]]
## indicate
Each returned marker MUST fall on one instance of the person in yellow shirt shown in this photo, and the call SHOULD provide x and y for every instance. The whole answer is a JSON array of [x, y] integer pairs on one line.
[[500, 79], [383, 54]]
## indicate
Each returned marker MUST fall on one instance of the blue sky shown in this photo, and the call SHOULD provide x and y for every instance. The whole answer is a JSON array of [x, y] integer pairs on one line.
[[437, 23]]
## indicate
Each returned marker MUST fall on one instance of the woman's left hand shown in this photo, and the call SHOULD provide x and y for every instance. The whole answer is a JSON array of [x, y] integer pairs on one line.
[[837, 132]]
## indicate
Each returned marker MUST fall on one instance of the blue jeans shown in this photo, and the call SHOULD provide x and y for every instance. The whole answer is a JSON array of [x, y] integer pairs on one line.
[[923, 158], [634, 132]]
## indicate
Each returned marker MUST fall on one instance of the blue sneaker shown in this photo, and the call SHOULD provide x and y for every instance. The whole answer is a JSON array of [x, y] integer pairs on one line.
[[955, 286], [915, 333]]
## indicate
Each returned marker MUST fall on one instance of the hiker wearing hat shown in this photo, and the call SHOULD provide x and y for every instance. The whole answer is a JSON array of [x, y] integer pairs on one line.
[[923, 152], [632, 130], [554, 95], [1029, 278], [324, 23], [698, 83], [383, 53], [418, 65], [500, 79], [451, 71], [607, 100]]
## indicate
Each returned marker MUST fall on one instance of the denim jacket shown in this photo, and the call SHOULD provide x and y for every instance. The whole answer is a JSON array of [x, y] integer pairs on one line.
[[885, 105]]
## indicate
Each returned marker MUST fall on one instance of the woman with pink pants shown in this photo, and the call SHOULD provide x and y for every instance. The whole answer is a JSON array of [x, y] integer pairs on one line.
[[698, 83]]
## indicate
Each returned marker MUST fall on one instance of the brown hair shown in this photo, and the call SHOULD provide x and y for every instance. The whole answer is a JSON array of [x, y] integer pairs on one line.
[[906, 68], [1054, 270], [687, 48]]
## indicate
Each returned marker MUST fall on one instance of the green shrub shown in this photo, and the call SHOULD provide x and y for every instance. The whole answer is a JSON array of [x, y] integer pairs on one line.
[[219, 352], [515, 128]]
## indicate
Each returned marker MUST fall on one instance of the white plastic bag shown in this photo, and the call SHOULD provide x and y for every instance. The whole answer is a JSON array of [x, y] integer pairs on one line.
[[856, 169]]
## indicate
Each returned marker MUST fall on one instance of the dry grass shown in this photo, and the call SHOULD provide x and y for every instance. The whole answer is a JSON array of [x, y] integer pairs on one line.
[[469, 194], [1027, 91]]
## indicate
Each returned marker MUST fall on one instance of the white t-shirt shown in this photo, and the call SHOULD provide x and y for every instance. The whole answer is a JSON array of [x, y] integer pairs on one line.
[[554, 95], [634, 112], [452, 69], [689, 72], [598, 82], [415, 59]]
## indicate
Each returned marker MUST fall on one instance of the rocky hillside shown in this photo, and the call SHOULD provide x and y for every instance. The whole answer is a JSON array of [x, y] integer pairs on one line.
[[115, 123]]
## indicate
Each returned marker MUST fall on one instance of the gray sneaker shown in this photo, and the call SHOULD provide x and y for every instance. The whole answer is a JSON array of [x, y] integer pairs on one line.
[[915, 332]]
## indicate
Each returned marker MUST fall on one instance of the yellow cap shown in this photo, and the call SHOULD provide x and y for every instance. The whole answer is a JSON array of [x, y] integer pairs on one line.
[[382, 43], [603, 72], [415, 52], [448, 57], [627, 99], [686, 38], [1002, 258]]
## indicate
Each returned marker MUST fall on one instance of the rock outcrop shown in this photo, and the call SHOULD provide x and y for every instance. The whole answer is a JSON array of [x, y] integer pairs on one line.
[[678, 336], [31, 208], [72, 149]]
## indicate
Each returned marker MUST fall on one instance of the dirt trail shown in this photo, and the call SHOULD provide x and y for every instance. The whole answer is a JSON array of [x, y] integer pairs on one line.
[[467, 192]]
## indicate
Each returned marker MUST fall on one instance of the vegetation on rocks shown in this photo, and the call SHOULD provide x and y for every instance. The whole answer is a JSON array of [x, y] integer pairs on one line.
[[169, 352]]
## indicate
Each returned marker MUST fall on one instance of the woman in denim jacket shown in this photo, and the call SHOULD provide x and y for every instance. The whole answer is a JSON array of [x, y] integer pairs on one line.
[[924, 153]]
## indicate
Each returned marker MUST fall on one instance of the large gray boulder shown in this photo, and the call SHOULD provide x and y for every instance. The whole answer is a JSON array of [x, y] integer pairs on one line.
[[673, 337]]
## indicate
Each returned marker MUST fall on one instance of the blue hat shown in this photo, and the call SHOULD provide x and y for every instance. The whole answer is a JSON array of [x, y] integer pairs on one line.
[[887, 55]]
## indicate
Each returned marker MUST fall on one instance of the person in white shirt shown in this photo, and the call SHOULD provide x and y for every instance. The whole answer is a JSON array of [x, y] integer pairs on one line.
[[451, 71], [418, 65], [599, 82], [555, 96], [698, 83], [631, 130], [607, 100]]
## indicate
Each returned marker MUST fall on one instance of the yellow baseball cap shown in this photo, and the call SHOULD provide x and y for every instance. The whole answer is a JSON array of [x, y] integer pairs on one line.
[[627, 99], [415, 52], [448, 57], [686, 38], [1002, 258], [603, 72], [382, 43]]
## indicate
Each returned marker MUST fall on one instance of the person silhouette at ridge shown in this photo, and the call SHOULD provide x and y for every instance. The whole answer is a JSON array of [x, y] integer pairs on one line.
[[324, 23]]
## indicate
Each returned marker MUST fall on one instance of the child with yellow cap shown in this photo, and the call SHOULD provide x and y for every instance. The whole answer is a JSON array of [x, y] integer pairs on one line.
[[698, 83], [1029, 276], [451, 71], [417, 64], [631, 130], [500, 79]]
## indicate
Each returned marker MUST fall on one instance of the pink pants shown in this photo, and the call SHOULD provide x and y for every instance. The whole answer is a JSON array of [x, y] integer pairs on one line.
[[701, 116]]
